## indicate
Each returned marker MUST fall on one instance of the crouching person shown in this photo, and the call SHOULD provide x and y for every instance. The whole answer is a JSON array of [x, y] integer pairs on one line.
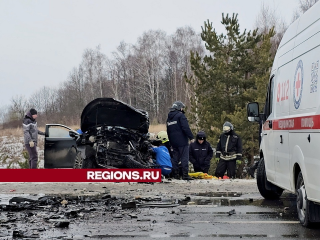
[[229, 149], [163, 160], [30, 133], [200, 153]]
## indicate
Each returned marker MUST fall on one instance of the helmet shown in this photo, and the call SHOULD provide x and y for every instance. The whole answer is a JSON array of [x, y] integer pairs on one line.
[[163, 136], [227, 127], [178, 105]]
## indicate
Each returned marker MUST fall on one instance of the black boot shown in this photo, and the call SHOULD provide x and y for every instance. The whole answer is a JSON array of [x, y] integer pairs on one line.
[[186, 177], [251, 171], [253, 168], [177, 177], [175, 174]]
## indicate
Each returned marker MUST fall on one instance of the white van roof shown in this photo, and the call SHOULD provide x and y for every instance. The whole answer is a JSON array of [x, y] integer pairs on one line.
[[288, 41]]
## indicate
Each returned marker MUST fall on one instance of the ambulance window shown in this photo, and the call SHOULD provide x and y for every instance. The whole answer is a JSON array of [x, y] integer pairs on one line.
[[269, 100], [271, 95]]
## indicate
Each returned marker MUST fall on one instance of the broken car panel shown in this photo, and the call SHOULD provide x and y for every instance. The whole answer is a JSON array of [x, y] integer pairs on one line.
[[115, 135]]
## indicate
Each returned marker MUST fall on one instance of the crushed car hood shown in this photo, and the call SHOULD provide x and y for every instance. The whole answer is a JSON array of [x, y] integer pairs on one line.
[[111, 112]]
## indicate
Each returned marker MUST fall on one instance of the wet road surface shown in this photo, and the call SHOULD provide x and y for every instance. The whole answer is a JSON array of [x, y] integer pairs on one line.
[[226, 215]]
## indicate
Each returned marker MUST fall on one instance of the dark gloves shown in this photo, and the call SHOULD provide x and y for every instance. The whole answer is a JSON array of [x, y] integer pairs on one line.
[[217, 155], [239, 157]]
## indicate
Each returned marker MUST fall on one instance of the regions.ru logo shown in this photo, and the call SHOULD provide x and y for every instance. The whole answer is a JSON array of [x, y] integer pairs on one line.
[[298, 85]]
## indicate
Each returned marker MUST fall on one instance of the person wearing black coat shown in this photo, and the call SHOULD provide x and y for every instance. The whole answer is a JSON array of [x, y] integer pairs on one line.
[[229, 149], [179, 133], [200, 153]]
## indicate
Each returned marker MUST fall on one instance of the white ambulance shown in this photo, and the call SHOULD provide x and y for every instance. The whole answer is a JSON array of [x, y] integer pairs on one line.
[[290, 143]]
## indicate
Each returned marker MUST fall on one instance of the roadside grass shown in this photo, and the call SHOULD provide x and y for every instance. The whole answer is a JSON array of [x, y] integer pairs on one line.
[[157, 128], [13, 153]]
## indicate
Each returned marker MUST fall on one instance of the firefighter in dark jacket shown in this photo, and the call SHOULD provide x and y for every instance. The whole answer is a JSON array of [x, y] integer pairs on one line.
[[179, 132], [30, 133], [200, 153], [229, 149]]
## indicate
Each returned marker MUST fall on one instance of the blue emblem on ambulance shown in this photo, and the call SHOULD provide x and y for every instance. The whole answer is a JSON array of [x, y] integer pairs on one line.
[[298, 85]]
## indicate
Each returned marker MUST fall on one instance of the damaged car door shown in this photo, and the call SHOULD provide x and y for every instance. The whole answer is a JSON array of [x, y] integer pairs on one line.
[[59, 148]]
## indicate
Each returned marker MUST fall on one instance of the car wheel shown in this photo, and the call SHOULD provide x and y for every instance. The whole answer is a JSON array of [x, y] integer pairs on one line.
[[262, 181], [302, 202], [89, 163], [78, 161]]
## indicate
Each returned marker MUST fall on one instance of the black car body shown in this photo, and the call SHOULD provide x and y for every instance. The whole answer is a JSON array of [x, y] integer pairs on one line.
[[115, 135]]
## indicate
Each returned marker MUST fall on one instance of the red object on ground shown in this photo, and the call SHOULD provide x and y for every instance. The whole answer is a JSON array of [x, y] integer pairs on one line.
[[80, 175], [225, 177], [12, 190]]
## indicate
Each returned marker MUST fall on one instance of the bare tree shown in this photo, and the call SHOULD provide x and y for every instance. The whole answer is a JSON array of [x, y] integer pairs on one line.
[[18, 108], [3, 114], [304, 5], [267, 19], [147, 75], [149, 71]]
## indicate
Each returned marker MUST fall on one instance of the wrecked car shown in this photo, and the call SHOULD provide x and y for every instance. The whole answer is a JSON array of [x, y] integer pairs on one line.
[[114, 135]]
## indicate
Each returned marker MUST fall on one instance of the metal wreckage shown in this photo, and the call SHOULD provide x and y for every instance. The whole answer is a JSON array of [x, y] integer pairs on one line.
[[114, 135]]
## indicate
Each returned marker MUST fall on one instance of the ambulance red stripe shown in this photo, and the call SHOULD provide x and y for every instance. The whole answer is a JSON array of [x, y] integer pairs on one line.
[[297, 123]]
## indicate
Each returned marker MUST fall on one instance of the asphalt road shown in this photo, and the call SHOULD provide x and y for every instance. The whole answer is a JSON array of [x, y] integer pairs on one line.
[[205, 211]]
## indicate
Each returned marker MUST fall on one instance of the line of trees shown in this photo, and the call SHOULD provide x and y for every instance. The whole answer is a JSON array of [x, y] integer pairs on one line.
[[147, 75]]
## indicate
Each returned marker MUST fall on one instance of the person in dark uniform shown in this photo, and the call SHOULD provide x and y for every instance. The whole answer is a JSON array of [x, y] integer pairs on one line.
[[200, 153], [179, 132], [229, 149]]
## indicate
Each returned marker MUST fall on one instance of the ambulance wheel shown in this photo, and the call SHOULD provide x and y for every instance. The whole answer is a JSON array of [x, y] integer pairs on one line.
[[273, 191], [78, 161], [302, 202]]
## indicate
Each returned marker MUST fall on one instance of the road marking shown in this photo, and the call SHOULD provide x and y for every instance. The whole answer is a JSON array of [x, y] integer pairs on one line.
[[200, 222], [259, 222]]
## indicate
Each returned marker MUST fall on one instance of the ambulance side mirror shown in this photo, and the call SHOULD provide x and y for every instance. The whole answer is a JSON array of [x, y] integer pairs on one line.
[[253, 112]]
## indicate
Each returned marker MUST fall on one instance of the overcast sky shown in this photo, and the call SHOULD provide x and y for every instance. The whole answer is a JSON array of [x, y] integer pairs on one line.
[[41, 41]]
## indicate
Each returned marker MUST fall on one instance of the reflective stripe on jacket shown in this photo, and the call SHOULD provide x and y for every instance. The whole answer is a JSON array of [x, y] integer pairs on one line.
[[229, 146]]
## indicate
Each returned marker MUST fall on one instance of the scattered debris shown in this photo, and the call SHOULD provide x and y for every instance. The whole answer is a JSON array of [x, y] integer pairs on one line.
[[71, 213], [60, 223], [233, 211], [144, 220], [17, 234], [159, 205], [20, 200], [148, 199], [187, 199], [64, 202], [129, 205]]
